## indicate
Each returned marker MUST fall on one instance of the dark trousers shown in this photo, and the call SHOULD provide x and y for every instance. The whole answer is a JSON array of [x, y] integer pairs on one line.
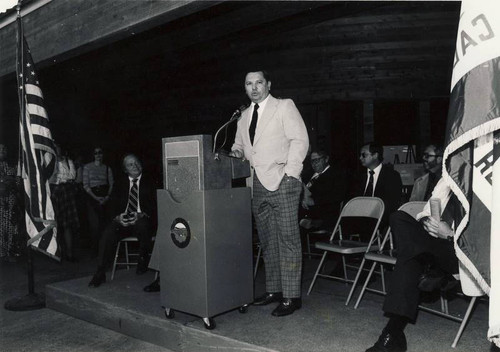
[[276, 217], [412, 241], [98, 216], [114, 232]]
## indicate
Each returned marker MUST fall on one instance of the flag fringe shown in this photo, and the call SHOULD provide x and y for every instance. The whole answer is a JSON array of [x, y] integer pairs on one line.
[[485, 128]]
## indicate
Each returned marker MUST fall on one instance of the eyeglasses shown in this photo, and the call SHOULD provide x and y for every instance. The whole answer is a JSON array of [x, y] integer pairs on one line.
[[98, 153], [364, 155], [428, 156], [317, 160]]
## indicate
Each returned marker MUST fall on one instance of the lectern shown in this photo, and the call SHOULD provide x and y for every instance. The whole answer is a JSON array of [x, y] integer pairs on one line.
[[204, 231]]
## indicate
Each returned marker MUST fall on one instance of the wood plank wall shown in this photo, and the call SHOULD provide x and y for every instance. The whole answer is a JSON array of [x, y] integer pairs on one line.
[[186, 76]]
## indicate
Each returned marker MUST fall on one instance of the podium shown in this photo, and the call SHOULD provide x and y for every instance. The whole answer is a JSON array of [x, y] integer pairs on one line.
[[204, 231]]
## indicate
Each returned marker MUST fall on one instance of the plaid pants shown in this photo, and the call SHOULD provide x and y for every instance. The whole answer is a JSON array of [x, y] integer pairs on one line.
[[276, 216]]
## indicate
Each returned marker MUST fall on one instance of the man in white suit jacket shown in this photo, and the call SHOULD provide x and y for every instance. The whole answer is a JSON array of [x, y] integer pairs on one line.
[[272, 136]]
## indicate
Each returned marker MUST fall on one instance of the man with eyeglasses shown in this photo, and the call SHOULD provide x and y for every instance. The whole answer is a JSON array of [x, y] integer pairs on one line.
[[426, 262], [433, 163], [134, 214], [323, 193]]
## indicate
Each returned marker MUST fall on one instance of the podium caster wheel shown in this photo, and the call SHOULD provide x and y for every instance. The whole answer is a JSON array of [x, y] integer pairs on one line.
[[209, 323], [169, 313], [243, 309]]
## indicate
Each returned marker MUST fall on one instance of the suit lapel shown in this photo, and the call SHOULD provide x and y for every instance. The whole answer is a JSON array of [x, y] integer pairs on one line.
[[379, 186], [267, 115]]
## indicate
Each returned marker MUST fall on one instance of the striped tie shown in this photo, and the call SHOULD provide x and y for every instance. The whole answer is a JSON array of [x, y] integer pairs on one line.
[[133, 198]]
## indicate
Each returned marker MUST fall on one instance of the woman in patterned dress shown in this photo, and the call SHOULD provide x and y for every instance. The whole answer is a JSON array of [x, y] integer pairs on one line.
[[9, 208]]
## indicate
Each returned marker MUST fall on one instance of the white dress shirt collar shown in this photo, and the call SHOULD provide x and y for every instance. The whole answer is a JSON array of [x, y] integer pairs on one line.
[[262, 106]]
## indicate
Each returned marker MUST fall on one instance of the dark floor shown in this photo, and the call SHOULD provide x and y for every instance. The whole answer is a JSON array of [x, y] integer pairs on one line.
[[45, 329], [323, 324]]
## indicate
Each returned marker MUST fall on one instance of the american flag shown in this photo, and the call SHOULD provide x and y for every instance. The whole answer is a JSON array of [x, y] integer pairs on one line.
[[471, 165], [38, 155]]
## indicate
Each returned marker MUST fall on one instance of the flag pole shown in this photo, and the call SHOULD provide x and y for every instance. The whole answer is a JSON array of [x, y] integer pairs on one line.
[[32, 300]]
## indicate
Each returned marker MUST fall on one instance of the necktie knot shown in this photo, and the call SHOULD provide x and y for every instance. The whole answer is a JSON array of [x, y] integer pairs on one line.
[[134, 181], [372, 172], [256, 107]]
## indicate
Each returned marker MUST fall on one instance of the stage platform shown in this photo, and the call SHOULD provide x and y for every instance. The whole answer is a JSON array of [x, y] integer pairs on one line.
[[323, 324]]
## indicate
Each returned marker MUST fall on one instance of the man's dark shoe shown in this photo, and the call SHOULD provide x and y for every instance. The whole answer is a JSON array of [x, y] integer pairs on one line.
[[287, 307], [98, 279], [388, 342], [268, 298], [153, 287]]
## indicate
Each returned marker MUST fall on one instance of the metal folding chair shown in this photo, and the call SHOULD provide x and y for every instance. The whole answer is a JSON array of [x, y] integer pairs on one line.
[[383, 255], [360, 207], [388, 257]]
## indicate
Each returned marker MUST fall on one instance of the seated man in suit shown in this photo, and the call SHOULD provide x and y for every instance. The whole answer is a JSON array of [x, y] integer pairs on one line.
[[419, 242], [134, 209], [323, 194], [379, 180], [433, 164]]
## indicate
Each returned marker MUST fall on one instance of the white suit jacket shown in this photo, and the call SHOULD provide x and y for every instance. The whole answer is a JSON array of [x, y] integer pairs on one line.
[[280, 143]]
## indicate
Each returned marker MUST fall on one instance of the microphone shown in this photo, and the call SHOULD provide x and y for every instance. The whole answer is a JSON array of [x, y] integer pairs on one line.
[[237, 112], [234, 117]]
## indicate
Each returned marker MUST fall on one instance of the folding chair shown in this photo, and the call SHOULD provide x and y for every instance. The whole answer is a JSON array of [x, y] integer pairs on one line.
[[387, 256], [383, 256], [361, 207], [318, 233]]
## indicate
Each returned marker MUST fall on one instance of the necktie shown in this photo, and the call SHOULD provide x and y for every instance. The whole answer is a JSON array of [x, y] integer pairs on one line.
[[133, 198], [253, 124], [311, 181], [369, 188]]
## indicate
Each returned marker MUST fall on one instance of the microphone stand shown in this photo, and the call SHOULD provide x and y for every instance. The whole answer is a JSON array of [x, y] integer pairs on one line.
[[235, 117]]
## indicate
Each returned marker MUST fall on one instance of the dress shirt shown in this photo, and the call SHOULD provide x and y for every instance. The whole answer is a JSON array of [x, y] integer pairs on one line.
[[262, 106], [64, 172]]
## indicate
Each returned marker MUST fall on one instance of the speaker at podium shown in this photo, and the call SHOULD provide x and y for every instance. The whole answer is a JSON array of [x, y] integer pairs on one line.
[[204, 231]]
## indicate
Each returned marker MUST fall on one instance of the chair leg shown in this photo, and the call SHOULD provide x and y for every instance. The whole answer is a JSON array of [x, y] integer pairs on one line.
[[259, 252], [363, 289], [317, 271], [382, 276], [464, 321], [116, 259], [345, 268], [127, 259], [308, 245], [355, 281]]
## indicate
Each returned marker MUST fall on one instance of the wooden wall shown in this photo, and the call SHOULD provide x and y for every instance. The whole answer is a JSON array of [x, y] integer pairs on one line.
[[333, 58]]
